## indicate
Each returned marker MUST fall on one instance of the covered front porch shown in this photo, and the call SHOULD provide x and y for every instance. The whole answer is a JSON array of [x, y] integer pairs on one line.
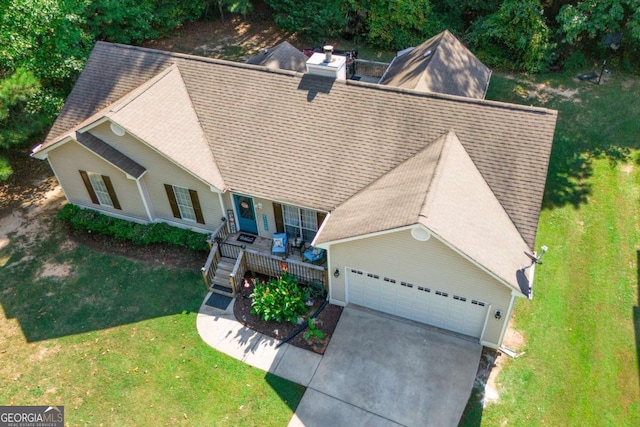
[[231, 256]]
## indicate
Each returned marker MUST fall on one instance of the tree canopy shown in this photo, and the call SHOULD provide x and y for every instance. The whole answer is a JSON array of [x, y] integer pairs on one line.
[[44, 43]]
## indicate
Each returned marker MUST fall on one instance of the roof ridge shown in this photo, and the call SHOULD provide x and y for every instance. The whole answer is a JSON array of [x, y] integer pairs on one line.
[[201, 128], [435, 177], [140, 90], [241, 65]]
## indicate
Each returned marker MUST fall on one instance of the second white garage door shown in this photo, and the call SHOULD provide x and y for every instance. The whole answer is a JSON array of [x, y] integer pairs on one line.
[[419, 302]]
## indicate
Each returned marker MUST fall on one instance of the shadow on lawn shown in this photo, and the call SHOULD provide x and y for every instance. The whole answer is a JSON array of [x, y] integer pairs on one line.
[[81, 290], [594, 121], [636, 316]]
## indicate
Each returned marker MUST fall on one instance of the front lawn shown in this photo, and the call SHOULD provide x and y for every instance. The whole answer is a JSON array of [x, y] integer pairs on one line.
[[115, 342], [583, 326]]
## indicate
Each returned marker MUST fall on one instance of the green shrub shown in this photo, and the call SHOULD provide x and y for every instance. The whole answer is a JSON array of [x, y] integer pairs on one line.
[[575, 62], [280, 299], [138, 234]]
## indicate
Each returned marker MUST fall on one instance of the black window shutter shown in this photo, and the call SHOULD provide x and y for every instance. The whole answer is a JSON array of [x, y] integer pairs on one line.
[[111, 191], [172, 200], [195, 202], [277, 213], [87, 183]]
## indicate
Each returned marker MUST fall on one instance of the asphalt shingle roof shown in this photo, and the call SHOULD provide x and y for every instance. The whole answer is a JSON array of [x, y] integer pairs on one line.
[[315, 142], [281, 57], [442, 64], [441, 189], [110, 154]]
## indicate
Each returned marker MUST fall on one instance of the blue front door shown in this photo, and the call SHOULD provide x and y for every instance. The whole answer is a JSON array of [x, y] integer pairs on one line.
[[246, 214]]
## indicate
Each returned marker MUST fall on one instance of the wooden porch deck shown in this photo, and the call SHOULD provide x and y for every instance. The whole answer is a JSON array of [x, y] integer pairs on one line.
[[230, 259], [263, 245]]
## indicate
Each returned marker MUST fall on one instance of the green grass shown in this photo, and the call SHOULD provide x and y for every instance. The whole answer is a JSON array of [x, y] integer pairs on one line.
[[115, 342], [582, 328]]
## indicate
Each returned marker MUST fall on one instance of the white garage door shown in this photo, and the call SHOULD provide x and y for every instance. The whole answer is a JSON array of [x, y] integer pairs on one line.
[[437, 307]]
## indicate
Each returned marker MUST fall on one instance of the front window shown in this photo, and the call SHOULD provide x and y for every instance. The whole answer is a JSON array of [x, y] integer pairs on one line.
[[185, 206], [100, 189], [300, 223]]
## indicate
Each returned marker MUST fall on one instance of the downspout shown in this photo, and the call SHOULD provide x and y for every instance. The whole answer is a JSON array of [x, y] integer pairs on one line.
[[222, 208], [143, 195], [506, 321]]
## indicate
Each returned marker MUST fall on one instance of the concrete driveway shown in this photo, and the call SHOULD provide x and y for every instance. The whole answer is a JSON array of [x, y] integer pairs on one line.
[[381, 371]]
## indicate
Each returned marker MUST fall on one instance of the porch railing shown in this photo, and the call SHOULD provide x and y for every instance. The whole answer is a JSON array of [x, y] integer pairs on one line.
[[236, 277], [258, 262], [219, 234], [229, 250], [272, 265], [210, 267]]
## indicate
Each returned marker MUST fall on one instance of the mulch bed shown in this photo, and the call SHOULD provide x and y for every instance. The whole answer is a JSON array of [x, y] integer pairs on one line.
[[326, 321], [155, 254]]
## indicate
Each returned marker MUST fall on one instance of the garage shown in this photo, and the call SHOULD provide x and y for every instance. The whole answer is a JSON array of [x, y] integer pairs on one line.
[[417, 301]]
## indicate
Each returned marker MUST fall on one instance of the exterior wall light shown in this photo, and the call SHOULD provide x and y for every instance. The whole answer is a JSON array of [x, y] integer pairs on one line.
[[336, 273], [498, 315]]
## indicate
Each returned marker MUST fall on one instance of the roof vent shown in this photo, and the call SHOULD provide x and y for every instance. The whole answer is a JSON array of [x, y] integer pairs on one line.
[[427, 53], [328, 51], [116, 129], [420, 234]]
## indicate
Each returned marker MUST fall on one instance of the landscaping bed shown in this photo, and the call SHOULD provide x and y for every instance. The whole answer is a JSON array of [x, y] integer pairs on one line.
[[154, 254], [326, 322]]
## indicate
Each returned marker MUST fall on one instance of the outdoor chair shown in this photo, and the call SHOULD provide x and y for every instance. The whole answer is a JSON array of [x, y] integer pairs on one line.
[[279, 246], [314, 255]]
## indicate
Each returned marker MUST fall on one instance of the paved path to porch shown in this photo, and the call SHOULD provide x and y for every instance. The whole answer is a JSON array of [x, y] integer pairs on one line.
[[220, 330], [377, 371]]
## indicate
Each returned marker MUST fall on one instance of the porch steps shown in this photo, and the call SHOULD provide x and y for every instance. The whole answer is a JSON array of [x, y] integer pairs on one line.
[[221, 284]]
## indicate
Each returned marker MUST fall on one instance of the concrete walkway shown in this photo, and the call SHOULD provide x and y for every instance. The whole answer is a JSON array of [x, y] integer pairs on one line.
[[377, 371], [220, 330]]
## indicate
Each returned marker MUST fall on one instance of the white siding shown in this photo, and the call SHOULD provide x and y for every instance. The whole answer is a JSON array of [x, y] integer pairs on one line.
[[72, 157], [161, 171], [431, 263]]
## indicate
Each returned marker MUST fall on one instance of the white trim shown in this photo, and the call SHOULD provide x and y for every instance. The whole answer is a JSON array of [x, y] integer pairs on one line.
[[107, 161], [272, 200], [506, 319], [337, 302], [326, 245], [486, 321], [330, 278], [222, 208], [313, 243], [42, 154], [533, 273], [95, 123], [144, 199], [489, 345], [477, 264]]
